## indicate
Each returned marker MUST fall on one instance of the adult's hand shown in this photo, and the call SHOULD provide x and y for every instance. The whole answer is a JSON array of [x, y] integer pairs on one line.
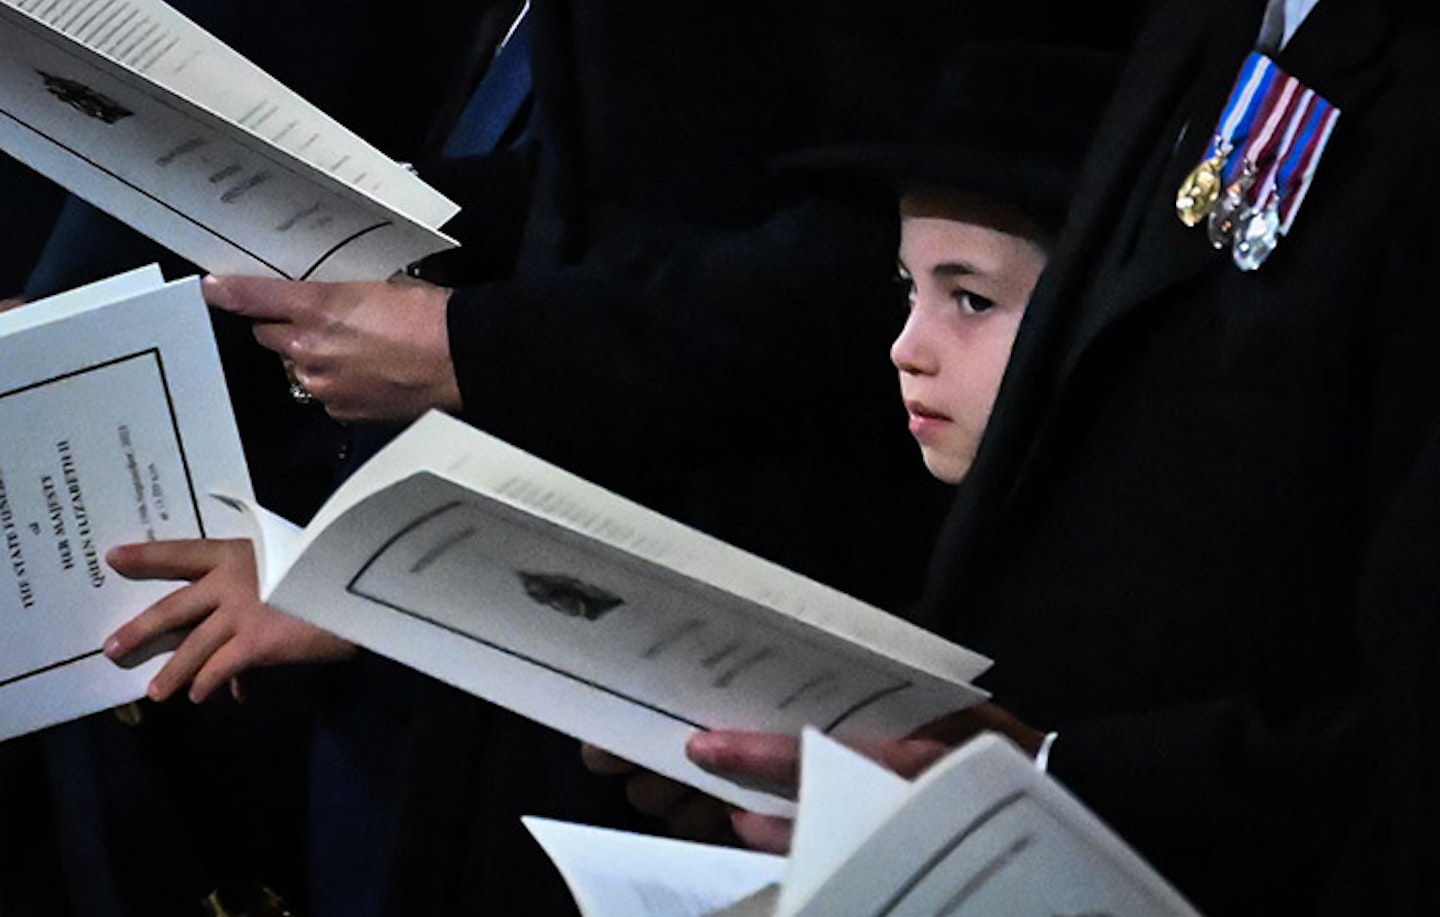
[[755, 760], [367, 351], [764, 761], [687, 812], [772, 762]]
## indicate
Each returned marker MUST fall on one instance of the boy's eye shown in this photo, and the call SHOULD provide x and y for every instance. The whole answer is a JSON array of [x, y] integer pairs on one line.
[[973, 303], [905, 282]]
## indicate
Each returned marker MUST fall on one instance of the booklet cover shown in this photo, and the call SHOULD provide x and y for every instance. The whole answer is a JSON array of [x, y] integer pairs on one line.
[[117, 424]]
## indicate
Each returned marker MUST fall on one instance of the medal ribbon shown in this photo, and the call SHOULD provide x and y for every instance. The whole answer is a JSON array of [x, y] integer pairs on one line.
[[1252, 88], [1261, 152], [1266, 147], [1273, 147], [1303, 157]]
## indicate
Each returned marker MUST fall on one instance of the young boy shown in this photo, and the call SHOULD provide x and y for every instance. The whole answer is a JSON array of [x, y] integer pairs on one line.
[[982, 194], [970, 264]]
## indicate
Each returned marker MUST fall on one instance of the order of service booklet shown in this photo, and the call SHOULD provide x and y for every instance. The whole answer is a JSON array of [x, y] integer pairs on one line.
[[114, 425], [130, 105], [468, 559], [982, 832]]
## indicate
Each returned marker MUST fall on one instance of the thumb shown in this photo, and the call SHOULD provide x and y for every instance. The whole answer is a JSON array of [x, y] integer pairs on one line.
[[906, 757], [261, 299]]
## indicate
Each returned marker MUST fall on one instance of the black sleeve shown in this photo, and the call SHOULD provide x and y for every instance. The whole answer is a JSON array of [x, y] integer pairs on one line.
[[495, 190]]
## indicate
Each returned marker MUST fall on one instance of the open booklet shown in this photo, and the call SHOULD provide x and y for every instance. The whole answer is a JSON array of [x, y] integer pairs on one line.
[[982, 832], [133, 107], [479, 564], [117, 423]]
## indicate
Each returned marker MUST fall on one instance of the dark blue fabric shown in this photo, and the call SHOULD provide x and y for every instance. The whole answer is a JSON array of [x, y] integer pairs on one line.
[[355, 792], [28, 203], [498, 100]]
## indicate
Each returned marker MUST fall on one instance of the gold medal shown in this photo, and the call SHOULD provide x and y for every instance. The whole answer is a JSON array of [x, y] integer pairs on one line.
[[1201, 188]]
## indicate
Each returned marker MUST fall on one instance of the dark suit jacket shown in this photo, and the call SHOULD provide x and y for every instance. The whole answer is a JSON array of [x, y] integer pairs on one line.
[[1196, 489]]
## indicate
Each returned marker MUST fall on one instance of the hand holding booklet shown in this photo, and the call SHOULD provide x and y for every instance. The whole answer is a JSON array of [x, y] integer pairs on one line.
[[982, 832], [463, 557], [116, 426]]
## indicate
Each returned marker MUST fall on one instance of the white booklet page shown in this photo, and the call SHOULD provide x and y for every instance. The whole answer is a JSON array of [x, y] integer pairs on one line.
[[463, 557], [117, 423], [980, 833], [136, 109]]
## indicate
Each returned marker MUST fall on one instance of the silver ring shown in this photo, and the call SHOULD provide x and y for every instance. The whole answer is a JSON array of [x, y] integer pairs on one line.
[[298, 392]]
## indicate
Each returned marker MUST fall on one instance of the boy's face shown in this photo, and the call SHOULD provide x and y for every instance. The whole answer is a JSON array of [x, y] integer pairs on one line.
[[971, 266]]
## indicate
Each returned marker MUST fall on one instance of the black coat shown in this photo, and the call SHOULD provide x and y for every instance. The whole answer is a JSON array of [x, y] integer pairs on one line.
[[1201, 487]]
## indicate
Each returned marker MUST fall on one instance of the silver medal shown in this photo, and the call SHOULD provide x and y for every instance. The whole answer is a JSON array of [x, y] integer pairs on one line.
[[1224, 217], [1258, 235]]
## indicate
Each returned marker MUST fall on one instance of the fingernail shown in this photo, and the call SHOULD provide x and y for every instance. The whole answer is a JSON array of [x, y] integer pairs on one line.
[[153, 691], [210, 288], [113, 649], [705, 745]]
